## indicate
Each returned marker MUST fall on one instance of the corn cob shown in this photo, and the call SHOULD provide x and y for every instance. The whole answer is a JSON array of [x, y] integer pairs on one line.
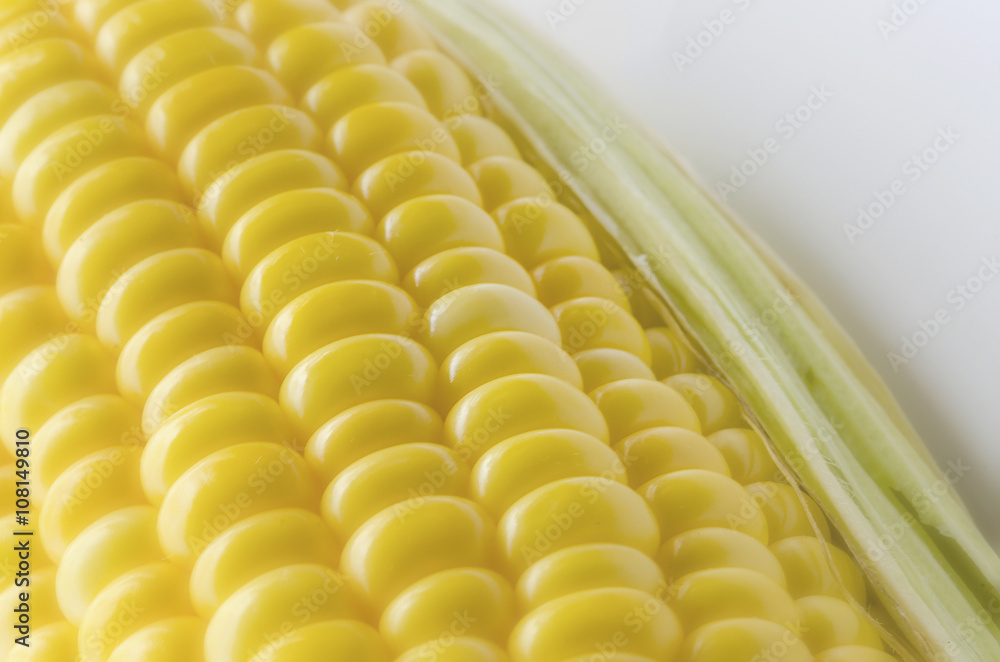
[[416, 421]]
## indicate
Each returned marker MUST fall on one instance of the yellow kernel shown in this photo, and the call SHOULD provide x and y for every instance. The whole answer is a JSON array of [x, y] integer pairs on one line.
[[304, 54], [499, 354], [570, 512], [333, 312], [395, 30], [502, 179], [341, 91], [786, 513], [695, 498], [746, 454], [619, 621], [462, 649], [605, 365], [483, 598], [402, 177], [536, 230], [830, 622], [714, 547], [354, 371], [633, 405], [574, 276], [513, 405], [661, 450], [671, 355], [718, 594], [264, 20], [289, 216], [218, 370], [350, 639], [586, 567], [216, 493], [256, 546], [370, 133], [513, 468], [256, 180], [102, 191], [444, 85], [717, 406], [245, 623], [744, 640], [307, 263], [472, 311], [368, 428], [809, 571], [410, 541], [478, 138], [455, 268], [421, 228], [389, 477], [200, 429]]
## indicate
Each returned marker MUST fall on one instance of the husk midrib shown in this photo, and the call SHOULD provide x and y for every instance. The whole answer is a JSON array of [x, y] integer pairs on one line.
[[719, 278]]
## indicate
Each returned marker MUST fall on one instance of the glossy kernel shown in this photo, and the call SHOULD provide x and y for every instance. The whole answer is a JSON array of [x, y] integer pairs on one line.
[[444, 85], [473, 311], [403, 177], [372, 132], [288, 216], [718, 594], [456, 268], [743, 640], [428, 608], [586, 567], [521, 464], [575, 511], [713, 547], [745, 453], [389, 477], [830, 622], [809, 571], [630, 621], [538, 230], [658, 451], [502, 179], [671, 354], [593, 323], [333, 312], [413, 540], [717, 407], [786, 513], [367, 428], [495, 355], [605, 365], [574, 276], [695, 498], [426, 226], [517, 404], [226, 487], [633, 405], [354, 371], [203, 427]]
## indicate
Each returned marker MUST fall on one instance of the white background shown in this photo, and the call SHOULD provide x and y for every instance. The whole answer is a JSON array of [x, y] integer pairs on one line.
[[892, 91]]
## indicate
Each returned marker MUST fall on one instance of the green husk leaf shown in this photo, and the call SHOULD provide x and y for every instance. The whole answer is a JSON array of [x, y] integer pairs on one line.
[[822, 407]]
